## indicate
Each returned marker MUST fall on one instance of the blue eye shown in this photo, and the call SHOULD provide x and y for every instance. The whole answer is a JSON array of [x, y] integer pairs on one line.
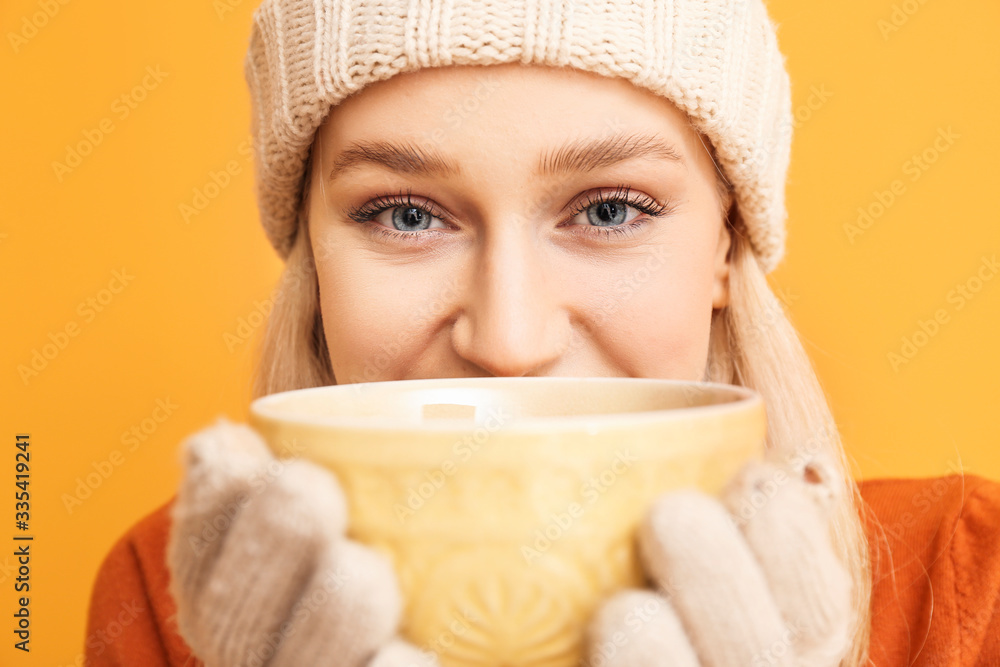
[[407, 215], [410, 219], [607, 214], [608, 210]]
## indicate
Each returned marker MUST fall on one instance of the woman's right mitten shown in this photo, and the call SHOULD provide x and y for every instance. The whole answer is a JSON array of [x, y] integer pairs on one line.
[[261, 571]]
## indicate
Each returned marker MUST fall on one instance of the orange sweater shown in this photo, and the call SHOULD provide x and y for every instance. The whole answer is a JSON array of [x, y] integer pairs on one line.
[[935, 547]]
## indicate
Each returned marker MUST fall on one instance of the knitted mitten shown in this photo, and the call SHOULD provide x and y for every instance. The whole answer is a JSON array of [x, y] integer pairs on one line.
[[261, 571], [749, 579]]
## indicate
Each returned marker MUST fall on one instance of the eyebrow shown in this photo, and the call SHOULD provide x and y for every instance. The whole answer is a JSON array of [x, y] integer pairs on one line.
[[403, 158], [589, 155], [578, 155]]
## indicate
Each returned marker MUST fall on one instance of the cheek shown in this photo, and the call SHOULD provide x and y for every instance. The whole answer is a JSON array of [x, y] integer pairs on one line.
[[377, 319], [655, 318]]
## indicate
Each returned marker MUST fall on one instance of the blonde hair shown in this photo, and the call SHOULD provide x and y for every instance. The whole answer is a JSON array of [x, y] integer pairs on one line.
[[752, 344]]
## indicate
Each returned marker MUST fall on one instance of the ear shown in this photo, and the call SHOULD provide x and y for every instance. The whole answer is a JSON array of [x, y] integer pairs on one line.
[[720, 287]]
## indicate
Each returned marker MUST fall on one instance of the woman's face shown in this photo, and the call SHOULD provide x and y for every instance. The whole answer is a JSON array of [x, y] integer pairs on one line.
[[511, 220]]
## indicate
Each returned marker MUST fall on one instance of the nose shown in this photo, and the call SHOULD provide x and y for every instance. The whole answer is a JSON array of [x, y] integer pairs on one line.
[[512, 322]]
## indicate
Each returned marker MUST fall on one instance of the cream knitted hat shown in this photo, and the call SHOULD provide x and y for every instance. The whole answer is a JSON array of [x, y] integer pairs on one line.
[[716, 60]]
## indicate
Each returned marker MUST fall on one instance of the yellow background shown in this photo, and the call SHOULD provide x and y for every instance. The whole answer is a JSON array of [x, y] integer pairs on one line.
[[884, 97]]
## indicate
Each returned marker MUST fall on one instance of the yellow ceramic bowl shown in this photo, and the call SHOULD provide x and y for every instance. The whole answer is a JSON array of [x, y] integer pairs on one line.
[[509, 505]]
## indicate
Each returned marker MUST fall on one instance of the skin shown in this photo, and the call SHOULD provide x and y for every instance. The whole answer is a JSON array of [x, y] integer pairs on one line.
[[505, 279]]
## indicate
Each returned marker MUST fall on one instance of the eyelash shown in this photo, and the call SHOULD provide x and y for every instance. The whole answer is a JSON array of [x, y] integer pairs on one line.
[[367, 212]]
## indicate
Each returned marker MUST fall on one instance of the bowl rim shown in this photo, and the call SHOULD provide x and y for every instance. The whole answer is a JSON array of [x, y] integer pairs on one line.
[[745, 400]]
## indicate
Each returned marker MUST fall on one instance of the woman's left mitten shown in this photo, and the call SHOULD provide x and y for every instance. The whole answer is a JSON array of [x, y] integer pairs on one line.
[[750, 578]]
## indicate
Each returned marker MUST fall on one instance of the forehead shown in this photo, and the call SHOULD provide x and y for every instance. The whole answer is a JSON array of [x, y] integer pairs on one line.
[[544, 119], [449, 105]]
